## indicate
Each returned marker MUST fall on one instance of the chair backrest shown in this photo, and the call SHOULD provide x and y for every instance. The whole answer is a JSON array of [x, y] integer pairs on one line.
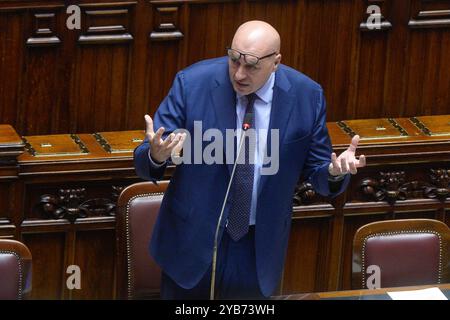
[[407, 252], [15, 270], [139, 276]]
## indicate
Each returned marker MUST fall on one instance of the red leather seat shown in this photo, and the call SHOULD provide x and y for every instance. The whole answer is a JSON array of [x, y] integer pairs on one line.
[[15, 270], [407, 252], [139, 276]]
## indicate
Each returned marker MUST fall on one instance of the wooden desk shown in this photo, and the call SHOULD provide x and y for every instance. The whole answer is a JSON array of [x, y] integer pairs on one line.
[[375, 294], [58, 194]]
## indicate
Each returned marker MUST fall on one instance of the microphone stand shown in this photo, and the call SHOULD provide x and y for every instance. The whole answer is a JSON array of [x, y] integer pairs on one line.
[[214, 259]]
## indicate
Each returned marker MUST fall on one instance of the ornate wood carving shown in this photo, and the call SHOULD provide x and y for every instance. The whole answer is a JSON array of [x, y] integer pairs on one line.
[[441, 185], [65, 205], [392, 187], [69, 204], [304, 194], [116, 191], [388, 188]]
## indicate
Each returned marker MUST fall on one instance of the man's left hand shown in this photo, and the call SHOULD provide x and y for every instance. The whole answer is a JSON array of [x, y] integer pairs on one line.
[[347, 162]]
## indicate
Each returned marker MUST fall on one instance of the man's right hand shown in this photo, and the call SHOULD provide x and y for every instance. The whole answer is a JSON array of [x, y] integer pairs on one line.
[[161, 150]]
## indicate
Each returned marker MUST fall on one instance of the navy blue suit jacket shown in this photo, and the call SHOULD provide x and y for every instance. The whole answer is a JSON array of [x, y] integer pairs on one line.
[[183, 236]]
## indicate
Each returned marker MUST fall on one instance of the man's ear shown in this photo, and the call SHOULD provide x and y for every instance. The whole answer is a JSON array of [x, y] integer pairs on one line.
[[277, 62]]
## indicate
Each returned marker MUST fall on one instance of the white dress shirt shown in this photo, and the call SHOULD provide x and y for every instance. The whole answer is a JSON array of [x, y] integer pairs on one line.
[[262, 107]]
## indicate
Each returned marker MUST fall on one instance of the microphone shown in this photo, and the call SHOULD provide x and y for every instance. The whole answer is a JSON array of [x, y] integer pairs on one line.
[[246, 124], [248, 120]]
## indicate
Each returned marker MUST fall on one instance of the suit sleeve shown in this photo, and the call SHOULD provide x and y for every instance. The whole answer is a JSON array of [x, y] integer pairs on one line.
[[319, 157], [171, 115]]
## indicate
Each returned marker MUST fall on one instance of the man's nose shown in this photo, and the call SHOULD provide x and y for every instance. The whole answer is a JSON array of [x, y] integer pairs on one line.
[[240, 73]]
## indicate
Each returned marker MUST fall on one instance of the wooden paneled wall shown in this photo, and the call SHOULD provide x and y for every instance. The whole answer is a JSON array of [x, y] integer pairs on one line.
[[120, 64]]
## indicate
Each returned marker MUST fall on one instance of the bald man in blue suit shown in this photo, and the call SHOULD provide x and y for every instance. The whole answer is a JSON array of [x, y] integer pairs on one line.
[[213, 94]]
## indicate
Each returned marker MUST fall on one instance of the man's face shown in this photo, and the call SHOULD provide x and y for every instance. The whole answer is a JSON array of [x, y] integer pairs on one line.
[[247, 77]]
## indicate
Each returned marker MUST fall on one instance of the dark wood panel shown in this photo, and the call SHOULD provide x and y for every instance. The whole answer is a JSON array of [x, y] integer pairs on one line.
[[101, 85], [422, 214], [49, 267], [159, 76], [95, 255], [447, 217], [307, 256], [121, 63], [338, 77], [371, 72], [5, 201], [11, 63], [396, 66], [309, 38], [39, 89], [210, 29], [443, 85]]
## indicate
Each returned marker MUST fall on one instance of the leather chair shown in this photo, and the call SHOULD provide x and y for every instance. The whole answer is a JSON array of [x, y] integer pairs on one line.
[[139, 276], [408, 252], [15, 270]]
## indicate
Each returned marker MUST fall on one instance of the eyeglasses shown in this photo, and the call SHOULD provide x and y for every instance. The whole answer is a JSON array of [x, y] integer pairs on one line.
[[249, 59]]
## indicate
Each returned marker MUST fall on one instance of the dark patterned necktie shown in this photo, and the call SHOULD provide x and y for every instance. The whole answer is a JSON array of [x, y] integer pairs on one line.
[[242, 187]]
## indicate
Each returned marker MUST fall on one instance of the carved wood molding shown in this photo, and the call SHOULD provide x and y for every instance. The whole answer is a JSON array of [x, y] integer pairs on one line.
[[391, 187], [440, 179], [44, 26], [70, 204], [430, 14], [119, 17], [304, 194], [166, 21], [387, 188], [116, 191]]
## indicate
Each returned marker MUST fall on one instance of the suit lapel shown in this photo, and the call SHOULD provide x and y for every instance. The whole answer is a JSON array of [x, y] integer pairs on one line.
[[282, 104], [224, 100]]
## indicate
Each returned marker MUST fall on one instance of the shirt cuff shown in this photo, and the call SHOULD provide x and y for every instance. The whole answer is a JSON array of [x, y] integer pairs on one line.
[[155, 164], [336, 178]]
